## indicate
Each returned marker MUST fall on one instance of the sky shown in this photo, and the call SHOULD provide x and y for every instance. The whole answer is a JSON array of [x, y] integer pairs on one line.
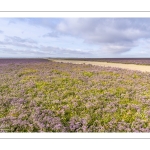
[[74, 37]]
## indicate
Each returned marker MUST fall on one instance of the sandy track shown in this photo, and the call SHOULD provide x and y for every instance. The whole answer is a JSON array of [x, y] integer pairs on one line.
[[142, 68]]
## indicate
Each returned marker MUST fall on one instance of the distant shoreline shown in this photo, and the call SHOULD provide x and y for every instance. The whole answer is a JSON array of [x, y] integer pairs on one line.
[[135, 67]]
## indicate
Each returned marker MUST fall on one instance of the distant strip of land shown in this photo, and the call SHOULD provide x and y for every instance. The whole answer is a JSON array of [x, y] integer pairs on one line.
[[142, 68]]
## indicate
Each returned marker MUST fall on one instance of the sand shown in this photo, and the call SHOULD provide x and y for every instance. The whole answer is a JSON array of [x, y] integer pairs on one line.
[[142, 68]]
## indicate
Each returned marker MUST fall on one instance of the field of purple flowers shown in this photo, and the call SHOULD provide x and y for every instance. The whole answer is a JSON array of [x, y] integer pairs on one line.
[[45, 96]]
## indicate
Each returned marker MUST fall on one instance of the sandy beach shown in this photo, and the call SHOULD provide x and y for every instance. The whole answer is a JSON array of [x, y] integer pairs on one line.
[[142, 68]]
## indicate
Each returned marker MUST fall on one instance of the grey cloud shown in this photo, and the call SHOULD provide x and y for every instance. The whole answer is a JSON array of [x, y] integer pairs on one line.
[[44, 22], [1, 32], [52, 34], [8, 50], [13, 52], [117, 48], [96, 30], [2, 43], [108, 31], [20, 40], [24, 45], [18, 44], [61, 51], [105, 30], [11, 21], [40, 51]]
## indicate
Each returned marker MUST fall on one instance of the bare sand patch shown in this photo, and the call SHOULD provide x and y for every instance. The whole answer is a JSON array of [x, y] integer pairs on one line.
[[142, 68]]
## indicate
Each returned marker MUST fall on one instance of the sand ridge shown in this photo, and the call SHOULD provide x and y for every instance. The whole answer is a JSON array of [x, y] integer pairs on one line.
[[142, 68]]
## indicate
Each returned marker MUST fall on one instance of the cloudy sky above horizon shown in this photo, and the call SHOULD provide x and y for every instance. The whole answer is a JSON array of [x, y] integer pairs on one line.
[[75, 37]]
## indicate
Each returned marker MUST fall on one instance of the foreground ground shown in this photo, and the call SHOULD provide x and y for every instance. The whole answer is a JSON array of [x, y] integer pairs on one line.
[[45, 96]]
